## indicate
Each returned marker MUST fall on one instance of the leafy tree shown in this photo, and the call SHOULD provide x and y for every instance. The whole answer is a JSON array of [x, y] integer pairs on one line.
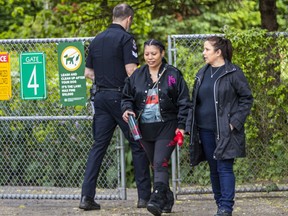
[[12, 14], [210, 16], [153, 18], [66, 18]]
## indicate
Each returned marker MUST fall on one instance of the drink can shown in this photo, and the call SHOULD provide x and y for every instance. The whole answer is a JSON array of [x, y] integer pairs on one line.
[[134, 129]]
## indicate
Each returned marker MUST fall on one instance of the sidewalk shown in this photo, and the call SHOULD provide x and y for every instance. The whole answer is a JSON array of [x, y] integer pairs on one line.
[[248, 204]]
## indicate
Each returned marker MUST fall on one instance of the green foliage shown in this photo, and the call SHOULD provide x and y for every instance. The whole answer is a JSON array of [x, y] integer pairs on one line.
[[70, 18], [28, 160], [263, 59], [50, 19], [189, 61], [282, 14], [199, 175], [241, 170], [205, 17], [130, 178]]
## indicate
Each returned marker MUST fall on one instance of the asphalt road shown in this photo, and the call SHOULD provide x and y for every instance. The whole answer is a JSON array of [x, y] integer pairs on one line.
[[248, 204]]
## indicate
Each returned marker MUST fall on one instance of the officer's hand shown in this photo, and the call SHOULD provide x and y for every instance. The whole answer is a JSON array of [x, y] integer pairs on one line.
[[126, 115]]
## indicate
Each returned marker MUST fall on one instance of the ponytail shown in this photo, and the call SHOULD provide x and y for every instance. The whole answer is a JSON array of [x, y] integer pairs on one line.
[[164, 61], [229, 49], [224, 45]]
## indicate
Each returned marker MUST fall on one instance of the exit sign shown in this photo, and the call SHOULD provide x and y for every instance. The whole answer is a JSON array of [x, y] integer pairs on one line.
[[33, 76]]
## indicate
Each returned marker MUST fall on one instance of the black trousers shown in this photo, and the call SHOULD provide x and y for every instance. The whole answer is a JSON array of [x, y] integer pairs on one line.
[[159, 153], [107, 116]]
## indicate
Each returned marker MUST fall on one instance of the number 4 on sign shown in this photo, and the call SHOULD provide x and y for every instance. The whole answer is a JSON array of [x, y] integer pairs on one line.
[[33, 81]]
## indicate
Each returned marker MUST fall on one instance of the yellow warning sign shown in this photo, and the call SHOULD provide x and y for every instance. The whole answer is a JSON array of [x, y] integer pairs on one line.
[[5, 76]]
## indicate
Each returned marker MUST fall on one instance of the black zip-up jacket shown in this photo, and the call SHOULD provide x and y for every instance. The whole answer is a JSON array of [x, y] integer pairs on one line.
[[173, 93], [233, 101]]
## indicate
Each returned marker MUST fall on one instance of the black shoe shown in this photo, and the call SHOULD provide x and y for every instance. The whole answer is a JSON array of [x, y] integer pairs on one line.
[[170, 202], [142, 203], [158, 199], [154, 209], [88, 203], [222, 212]]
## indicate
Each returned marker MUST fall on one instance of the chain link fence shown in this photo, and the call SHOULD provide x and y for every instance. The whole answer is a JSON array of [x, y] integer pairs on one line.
[[185, 52], [44, 145]]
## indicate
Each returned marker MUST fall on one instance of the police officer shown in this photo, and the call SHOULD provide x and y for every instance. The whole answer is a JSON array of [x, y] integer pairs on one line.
[[112, 56]]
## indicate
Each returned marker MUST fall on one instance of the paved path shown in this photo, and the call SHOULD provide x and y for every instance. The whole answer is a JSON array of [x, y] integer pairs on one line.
[[247, 204]]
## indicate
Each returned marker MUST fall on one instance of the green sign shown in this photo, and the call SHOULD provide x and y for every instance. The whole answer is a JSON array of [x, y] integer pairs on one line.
[[71, 73], [32, 76]]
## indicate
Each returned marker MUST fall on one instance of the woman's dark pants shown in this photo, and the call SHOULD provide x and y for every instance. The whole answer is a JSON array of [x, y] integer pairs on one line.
[[221, 172]]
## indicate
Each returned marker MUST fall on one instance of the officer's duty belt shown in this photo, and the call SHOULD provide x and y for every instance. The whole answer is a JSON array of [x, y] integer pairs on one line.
[[119, 89]]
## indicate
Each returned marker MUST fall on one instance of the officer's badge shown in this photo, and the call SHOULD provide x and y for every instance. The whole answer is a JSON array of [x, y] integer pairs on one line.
[[134, 45]]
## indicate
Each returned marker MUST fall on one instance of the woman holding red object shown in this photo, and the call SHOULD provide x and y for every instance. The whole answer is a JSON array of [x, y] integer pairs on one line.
[[157, 95]]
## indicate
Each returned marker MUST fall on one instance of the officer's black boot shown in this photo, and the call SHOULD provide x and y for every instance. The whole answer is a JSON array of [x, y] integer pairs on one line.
[[170, 201], [158, 199]]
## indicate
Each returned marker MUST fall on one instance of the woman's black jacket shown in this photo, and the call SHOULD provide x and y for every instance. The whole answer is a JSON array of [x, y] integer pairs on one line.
[[172, 88], [233, 101]]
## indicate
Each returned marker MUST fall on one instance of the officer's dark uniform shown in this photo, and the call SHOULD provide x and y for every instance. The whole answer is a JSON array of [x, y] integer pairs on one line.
[[108, 54]]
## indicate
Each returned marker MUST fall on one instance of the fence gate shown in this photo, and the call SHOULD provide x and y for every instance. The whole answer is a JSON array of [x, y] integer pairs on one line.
[[44, 145]]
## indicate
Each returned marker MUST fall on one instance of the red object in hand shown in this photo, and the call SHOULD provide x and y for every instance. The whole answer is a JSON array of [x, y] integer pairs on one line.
[[177, 139]]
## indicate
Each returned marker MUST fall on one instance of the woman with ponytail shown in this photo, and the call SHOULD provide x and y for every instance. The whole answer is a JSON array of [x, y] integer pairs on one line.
[[221, 102]]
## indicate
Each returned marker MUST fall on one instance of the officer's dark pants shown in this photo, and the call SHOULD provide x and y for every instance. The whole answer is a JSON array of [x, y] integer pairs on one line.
[[107, 116]]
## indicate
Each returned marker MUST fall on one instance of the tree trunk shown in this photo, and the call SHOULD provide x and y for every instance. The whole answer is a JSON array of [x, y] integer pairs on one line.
[[268, 12]]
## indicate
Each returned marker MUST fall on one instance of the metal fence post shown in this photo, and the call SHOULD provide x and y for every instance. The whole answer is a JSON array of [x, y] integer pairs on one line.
[[123, 192]]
